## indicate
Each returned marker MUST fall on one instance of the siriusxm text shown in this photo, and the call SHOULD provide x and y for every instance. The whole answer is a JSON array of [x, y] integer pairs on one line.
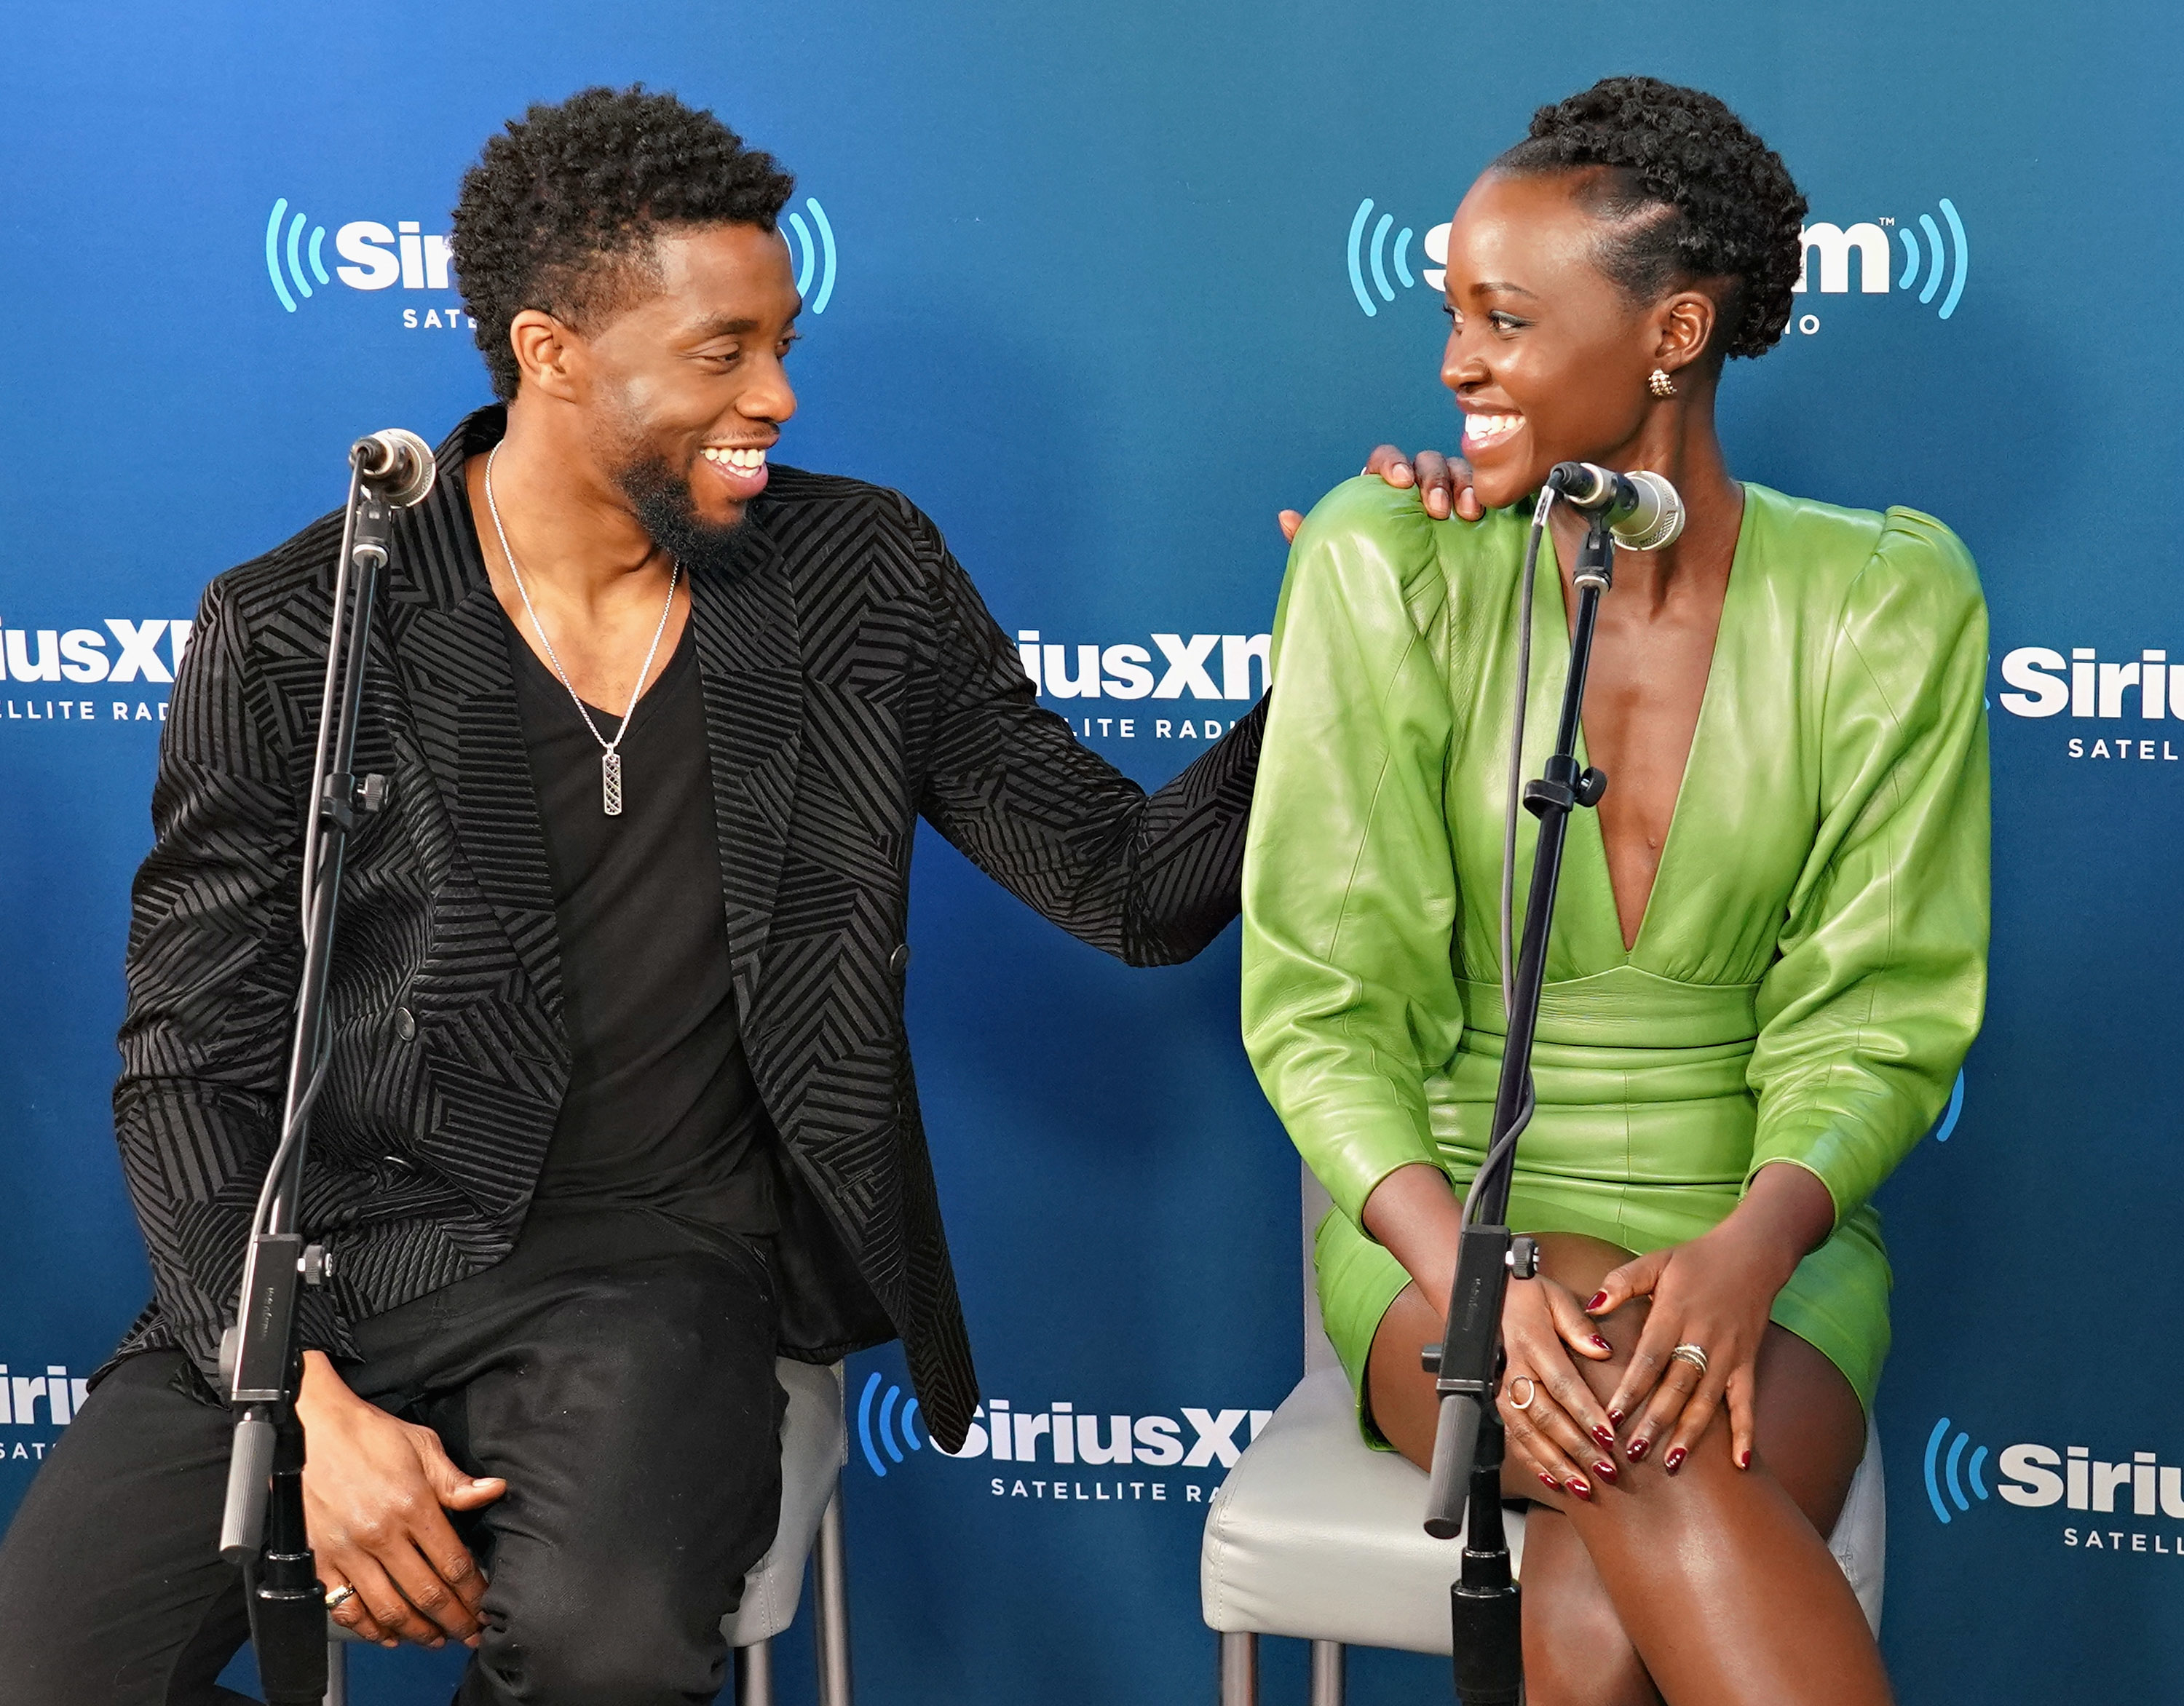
[[1058, 1434], [119, 651], [1201, 666], [2085, 1482]]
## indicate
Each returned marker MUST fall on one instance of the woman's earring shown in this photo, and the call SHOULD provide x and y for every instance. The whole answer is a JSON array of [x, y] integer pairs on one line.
[[1660, 384]]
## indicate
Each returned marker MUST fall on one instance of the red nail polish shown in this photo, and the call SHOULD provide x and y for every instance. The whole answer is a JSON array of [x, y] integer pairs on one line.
[[1605, 1470], [1616, 1417], [1637, 1449], [1551, 1484], [1744, 1459], [1598, 1298], [1580, 1488], [1601, 1343], [1675, 1460], [1605, 1437]]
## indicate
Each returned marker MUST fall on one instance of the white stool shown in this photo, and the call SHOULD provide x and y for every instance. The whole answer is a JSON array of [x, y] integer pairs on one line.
[[814, 1447], [1316, 1537]]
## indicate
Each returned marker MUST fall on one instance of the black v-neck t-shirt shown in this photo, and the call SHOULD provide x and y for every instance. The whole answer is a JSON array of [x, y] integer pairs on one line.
[[662, 1111]]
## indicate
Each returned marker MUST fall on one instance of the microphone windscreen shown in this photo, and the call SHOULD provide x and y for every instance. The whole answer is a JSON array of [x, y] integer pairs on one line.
[[1656, 519], [397, 465]]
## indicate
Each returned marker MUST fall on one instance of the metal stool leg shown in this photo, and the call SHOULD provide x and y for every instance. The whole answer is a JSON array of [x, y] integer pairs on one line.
[[1327, 1679], [830, 1608], [1239, 1670], [337, 1672], [754, 1673]]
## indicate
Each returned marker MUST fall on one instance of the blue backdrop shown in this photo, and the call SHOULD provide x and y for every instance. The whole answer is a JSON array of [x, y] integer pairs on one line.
[[1100, 289]]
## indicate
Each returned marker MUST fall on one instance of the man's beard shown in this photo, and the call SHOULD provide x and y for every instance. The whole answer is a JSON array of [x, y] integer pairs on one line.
[[669, 515]]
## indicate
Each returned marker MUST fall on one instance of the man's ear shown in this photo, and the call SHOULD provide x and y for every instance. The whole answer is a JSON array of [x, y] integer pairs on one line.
[[546, 350]]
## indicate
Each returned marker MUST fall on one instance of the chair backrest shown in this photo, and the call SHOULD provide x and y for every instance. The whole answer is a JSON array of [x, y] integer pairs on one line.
[[1318, 1352]]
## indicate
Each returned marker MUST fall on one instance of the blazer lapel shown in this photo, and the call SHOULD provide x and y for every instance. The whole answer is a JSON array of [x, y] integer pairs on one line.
[[450, 644], [750, 661]]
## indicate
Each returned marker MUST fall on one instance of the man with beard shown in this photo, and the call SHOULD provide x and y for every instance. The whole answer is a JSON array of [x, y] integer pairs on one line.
[[621, 1103]]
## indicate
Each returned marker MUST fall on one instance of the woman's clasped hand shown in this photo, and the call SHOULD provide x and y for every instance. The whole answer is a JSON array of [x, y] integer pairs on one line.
[[1702, 1317]]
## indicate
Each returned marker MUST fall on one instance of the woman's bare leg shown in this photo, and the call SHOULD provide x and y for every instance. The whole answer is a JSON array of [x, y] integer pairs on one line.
[[1718, 1577], [1576, 1653]]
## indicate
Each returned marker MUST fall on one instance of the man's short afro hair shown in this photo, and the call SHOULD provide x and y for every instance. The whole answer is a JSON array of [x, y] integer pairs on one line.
[[1699, 196], [561, 210]]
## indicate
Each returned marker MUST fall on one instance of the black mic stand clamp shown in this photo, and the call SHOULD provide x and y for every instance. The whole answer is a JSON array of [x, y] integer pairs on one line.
[[262, 1525], [1467, 1365]]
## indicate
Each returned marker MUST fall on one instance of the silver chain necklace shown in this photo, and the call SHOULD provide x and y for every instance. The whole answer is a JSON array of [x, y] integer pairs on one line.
[[609, 758]]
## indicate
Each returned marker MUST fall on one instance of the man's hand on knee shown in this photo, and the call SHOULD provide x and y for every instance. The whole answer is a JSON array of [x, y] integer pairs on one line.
[[376, 1491]]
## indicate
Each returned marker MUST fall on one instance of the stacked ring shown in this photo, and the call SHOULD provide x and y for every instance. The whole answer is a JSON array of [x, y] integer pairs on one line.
[[1694, 1354]]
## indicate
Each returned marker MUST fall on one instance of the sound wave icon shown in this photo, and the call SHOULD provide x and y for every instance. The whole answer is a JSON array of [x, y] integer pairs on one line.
[[1935, 256], [816, 257], [890, 1424], [273, 255], [1377, 254], [1949, 1469]]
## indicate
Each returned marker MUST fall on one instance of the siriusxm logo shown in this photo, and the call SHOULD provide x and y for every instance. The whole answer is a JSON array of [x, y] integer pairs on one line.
[[813, 260], [2133, 692], [1196, 666], [57, 1392], [375, 258], [1434, 248], [370, 256], [125, 651], [892, 1427], [1868, 239], [1097, 1454], [1945, 1127], [2036, 1477], [55, 666], [1956, 1455], [1187, 666], [1378, 252]]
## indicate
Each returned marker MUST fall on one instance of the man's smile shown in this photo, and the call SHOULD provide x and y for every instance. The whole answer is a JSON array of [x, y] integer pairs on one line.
[[741, 467]]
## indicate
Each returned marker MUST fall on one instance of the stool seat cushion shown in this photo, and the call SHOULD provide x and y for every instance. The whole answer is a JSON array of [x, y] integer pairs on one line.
[[1316, 1536]]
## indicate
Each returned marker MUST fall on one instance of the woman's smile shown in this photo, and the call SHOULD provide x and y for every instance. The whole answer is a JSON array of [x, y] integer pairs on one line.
[[1487, 431]]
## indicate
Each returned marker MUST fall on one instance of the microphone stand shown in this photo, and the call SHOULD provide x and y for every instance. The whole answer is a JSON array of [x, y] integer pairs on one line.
[[1485, 1604], [262, 1527]]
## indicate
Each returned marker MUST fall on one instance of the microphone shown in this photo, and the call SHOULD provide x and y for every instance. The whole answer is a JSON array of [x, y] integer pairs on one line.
[[1642, 509], [397, 464]]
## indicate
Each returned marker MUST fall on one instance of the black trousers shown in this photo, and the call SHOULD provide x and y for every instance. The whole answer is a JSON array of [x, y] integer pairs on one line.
[[617, 1370]]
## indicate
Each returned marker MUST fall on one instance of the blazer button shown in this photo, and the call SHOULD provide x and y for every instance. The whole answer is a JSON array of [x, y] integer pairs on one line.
[[405, 1024], [898, 961]]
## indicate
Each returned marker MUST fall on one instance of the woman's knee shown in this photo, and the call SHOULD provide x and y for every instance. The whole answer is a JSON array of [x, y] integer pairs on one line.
[[1579, 1264]]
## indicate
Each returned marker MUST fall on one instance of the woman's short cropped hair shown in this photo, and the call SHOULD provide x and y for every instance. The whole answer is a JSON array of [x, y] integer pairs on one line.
[[1692, 191]]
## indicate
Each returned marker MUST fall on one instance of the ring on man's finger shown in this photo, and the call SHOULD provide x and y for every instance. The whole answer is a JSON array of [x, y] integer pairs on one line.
[[1531, 1392], [338, 1598]]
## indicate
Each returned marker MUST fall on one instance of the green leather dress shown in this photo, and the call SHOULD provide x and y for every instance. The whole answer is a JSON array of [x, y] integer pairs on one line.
[[1812, 962]]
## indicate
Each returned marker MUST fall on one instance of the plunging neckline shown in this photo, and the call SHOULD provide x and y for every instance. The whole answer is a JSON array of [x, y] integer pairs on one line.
[[1591, 838]]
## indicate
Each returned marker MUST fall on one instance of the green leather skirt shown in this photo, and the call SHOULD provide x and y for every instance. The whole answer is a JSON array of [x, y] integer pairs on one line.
[[1641, 1143]]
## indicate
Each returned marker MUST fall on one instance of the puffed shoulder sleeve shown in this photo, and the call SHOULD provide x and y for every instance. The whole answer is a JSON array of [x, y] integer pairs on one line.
[[1882, 981], [1349, 999]]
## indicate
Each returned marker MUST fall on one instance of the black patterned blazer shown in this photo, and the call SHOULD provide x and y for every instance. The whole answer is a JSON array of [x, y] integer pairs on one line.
[[853, 683]]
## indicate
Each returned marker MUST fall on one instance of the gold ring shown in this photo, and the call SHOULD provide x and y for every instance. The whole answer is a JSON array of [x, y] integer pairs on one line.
[[1531, 1392], [1694, 1354], [338, 1597]]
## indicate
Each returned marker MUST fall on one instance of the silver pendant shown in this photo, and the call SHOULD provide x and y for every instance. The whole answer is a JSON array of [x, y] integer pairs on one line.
[[611, 782]]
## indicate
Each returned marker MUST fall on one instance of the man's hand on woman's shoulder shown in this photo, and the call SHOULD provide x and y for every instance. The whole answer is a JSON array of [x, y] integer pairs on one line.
[[1445, 482]]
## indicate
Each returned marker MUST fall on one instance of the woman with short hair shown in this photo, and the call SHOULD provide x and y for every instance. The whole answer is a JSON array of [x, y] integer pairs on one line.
[[1769, 955]]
